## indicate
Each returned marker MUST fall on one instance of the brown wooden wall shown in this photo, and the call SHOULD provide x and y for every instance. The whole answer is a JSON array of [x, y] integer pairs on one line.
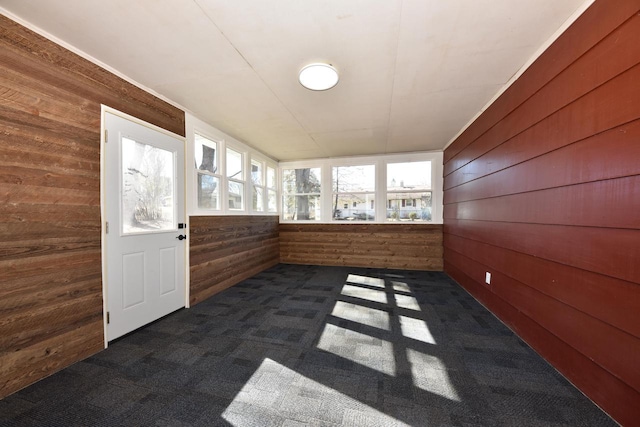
[[225, 250], [50, 258], [543, 191], [401, 246]]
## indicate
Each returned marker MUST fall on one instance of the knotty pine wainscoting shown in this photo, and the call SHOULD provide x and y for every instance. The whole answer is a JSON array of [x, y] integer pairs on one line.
[[402, 246], [543, 192], [225, 250], [50, 225]]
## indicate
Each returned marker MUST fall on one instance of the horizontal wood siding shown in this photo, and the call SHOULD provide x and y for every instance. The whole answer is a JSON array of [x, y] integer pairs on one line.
[[543, 191], [401, 246], [50, 226], [225, 250]]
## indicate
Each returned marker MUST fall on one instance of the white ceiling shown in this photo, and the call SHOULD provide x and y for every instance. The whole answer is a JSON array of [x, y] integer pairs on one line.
[[413, 73]]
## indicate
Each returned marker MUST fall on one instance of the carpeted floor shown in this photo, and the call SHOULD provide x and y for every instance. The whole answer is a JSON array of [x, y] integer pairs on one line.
[[320, 346]]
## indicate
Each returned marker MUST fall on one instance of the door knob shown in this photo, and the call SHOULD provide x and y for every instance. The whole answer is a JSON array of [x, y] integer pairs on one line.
[[181, 237]]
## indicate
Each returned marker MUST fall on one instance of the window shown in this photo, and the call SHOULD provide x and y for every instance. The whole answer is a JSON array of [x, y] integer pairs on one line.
[[208, 178], [383, 188], [148, 183], [272, 190], [257, 181], [409, 191], [354, 186], [301, 194], [226, 176], [235, 180]]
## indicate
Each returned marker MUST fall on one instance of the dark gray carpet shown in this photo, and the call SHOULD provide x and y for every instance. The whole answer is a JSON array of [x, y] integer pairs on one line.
[[321, 346]]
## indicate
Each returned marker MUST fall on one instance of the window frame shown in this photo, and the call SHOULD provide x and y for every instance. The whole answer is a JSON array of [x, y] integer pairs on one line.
[[380, 192], [223, 141], [204, 172], [271, 190], [241, 181], [408, 199], [364, 194], [261, 185], [323, 184]]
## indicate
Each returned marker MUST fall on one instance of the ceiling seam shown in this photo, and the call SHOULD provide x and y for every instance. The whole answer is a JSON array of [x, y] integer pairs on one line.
[[393, 82], [304, 129]]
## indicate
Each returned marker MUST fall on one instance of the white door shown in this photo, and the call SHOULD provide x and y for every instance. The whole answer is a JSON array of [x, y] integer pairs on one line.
[[144, 208]]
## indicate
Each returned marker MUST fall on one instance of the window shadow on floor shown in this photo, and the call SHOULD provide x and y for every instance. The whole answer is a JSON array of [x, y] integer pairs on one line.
[[314, 346]]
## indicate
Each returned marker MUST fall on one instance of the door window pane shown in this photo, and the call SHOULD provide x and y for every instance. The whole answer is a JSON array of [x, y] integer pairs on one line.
[[148, 182]]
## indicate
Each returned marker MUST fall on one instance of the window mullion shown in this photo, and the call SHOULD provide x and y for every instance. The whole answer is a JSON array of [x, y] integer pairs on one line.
[[326, 193], [381, 191]]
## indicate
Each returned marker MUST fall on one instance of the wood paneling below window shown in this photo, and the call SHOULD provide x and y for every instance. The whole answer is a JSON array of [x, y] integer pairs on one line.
[[401, 246], [225, 250]]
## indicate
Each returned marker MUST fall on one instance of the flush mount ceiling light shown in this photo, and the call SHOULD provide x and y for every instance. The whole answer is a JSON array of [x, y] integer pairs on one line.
[[318, 76]]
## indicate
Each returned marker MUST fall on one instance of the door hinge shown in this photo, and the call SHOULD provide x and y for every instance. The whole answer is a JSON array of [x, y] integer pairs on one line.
[[108, 318], [106, 226], [106, 135]]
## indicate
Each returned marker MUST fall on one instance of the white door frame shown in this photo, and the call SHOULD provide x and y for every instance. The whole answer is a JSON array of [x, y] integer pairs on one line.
[[103, 110]]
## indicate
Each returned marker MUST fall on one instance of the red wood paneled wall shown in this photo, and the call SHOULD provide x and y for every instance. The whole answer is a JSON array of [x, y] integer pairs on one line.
[[50, 225], [543, 191]]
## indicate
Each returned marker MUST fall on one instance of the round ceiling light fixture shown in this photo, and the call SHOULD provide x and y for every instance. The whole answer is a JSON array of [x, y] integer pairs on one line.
[[318, 76]]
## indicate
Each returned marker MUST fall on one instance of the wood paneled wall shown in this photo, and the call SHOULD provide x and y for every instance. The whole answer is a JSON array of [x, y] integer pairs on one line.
[[225, 250], [50, 226], [543, 191], [401, 246]]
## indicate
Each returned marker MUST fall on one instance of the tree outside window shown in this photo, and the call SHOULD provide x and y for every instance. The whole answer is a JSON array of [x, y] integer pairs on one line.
[[208, 179], [301, 198]]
